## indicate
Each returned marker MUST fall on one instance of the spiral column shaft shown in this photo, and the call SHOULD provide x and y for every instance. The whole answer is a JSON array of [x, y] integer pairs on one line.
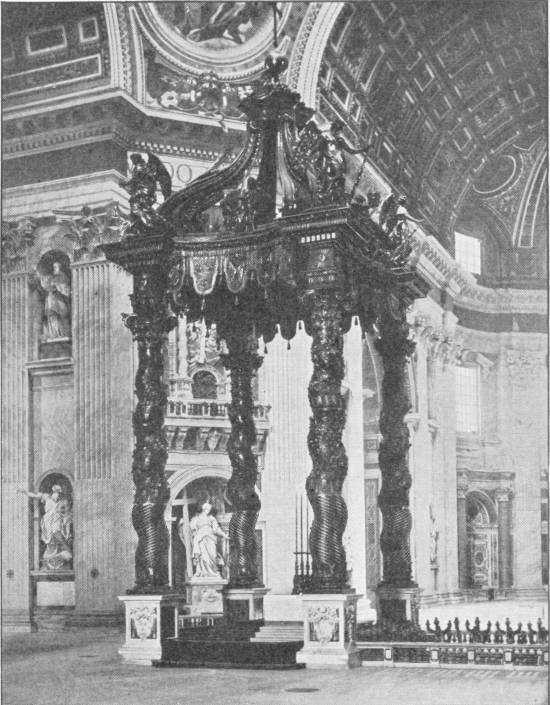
[[330, 463], [395, 347], [150, 324], [241, 361]]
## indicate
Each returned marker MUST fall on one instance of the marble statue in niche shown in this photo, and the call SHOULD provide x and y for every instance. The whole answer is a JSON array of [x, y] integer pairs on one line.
[[55, 528], [55, 286], [207, 560]]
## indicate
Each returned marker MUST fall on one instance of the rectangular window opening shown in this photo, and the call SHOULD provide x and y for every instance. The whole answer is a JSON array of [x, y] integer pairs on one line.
[[467, 399], [468, 252]]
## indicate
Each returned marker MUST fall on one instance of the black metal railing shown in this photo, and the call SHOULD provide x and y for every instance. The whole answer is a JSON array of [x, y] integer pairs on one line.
[[302, 555]]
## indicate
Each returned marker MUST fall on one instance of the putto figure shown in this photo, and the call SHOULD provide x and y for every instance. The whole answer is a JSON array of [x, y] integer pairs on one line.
[[55, 528], [205, 529]]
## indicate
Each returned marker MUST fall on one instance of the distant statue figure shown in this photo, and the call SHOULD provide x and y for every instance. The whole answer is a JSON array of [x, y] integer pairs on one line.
[[57, 304], [205, 530], [330, 164], [55, 528], [142, 186], [434, 538]]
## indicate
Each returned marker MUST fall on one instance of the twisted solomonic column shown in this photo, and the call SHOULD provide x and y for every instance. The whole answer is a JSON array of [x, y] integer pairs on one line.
[[242, 360], [330, 463], [395, 347], [150, 324]]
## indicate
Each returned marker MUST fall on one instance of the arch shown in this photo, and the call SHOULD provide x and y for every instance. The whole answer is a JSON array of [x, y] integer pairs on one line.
[[308, 49], [482, 559], [204, 384], [486, 502], [53, 522]]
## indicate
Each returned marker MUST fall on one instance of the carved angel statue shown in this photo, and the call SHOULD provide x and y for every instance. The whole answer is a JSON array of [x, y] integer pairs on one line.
[[329, 164], [142, 186], [394, 216]]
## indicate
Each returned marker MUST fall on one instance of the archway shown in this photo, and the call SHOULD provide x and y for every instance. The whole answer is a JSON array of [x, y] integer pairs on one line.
[[482, 537], [190, 488]]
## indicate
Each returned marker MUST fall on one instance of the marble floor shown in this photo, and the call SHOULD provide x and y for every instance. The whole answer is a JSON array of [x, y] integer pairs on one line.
[[83, 668]]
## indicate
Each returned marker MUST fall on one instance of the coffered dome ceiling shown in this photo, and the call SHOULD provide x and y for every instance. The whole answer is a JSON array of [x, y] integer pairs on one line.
[[453, 96]]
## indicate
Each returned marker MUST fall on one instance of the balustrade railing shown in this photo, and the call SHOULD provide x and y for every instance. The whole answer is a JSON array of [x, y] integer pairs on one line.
[[470, 644], [492, 634], [206, 408]]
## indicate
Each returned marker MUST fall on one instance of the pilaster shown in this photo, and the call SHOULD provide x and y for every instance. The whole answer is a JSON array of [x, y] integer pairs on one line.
[[16, 598], [103, 355]]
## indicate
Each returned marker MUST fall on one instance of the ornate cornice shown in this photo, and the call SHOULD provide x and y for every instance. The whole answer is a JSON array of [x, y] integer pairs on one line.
[[437, 265]]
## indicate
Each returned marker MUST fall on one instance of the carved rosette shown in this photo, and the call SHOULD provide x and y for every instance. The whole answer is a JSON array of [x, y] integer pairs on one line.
[[150, 324], [395, 347], [241, 361], [330, 463]]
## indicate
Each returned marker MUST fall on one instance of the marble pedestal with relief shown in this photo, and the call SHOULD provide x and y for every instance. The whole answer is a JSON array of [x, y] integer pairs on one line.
[[205, 596], [149, 619], [329, 631]]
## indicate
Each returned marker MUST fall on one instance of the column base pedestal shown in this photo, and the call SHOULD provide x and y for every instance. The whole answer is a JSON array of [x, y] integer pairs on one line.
[[329, 631], [149, 619], [205, 596], [397, 604], [244, 604]]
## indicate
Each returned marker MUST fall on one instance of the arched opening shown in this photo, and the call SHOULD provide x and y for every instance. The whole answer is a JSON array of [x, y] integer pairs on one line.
[[53, 275], [54, 524], [187, 504], [482, 541], [204, 385]]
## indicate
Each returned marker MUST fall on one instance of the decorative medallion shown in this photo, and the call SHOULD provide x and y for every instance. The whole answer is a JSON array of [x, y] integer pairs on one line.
[[323, 623], [143, 622]]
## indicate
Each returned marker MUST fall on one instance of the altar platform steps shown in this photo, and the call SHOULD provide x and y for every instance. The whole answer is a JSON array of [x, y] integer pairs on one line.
[[227, 646], [279, 632]]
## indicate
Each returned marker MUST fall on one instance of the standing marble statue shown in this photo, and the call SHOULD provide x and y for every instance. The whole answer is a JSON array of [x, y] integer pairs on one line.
[[57, 304], [205, 530], [56, 528]]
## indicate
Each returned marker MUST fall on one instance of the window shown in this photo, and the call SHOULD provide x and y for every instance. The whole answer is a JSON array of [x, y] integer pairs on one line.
[[468, 252], [467, 399], [46, 40], [87, 30]]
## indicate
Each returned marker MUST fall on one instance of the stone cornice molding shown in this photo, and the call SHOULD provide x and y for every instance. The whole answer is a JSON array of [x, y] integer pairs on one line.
[[437, 265]]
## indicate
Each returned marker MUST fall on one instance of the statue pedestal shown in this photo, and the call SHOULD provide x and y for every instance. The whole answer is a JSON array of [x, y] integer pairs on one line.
[[329, 631], [149, 619], [397, 604], [205, 596], [244, 604]]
